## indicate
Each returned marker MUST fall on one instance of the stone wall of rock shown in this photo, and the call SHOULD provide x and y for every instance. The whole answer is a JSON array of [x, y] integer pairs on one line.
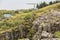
[[46, 24], [13, 34]]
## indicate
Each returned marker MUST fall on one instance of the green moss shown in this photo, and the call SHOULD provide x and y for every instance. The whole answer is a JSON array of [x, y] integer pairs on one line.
[[57, 34]]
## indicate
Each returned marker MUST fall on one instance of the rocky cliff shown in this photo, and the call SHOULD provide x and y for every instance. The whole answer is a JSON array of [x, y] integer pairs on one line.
[[46, 25]]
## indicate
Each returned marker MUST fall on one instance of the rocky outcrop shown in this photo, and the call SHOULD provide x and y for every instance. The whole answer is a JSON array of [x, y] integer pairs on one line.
[[13, 34], [46, 25]]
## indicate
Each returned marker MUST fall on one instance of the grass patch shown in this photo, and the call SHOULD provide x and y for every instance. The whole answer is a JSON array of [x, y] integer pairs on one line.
[[57, 34]]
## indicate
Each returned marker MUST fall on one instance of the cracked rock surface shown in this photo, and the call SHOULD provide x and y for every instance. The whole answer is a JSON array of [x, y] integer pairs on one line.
[[46, 25]]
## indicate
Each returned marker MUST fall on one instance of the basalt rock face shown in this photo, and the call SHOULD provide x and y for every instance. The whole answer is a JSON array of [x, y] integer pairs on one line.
[[46, 25], [8, 36], [13, 34]]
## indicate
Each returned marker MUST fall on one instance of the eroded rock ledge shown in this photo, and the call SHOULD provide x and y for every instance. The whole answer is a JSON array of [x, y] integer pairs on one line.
[[46, 25]]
